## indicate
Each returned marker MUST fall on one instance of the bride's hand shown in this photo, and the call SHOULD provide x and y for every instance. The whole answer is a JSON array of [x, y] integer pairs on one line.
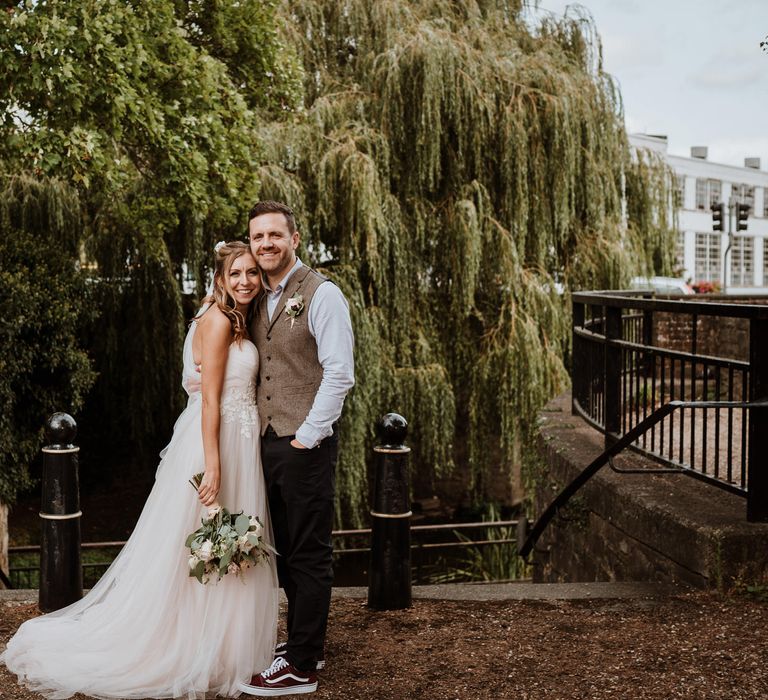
[[209, 487]]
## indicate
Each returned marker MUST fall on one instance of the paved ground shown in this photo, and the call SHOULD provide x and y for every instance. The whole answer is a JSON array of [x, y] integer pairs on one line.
[[519, 590]]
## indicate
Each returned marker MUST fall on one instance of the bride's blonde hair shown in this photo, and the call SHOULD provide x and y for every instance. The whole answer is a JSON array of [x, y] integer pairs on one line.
[[225, 255]]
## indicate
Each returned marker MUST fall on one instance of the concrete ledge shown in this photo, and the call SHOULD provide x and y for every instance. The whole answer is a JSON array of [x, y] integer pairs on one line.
[[480, 591], [625, 527]]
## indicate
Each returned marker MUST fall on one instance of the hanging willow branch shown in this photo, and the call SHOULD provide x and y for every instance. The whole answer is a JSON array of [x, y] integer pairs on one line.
[[453, 164]]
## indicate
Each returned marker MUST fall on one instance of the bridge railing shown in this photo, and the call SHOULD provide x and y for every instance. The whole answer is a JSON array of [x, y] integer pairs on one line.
[[633, 353]]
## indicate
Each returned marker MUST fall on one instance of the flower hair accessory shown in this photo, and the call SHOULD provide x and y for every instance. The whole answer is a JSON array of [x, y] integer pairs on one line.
[[294, 306], [219, 246]]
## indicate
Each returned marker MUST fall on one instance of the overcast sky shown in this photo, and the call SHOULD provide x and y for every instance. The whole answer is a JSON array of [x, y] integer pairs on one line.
[[690, 69]]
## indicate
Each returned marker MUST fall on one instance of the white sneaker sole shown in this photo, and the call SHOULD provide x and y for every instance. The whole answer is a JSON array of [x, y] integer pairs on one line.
[[275, 692]]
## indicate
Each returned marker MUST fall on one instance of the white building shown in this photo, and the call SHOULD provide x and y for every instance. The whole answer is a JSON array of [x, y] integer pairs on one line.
[[702, 252]]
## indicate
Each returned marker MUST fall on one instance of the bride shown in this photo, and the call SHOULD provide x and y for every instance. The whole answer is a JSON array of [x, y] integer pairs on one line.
[[147, 629]]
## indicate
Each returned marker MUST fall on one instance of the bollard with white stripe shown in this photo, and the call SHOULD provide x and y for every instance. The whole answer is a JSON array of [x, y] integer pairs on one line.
[[61, 571], [389, 586]]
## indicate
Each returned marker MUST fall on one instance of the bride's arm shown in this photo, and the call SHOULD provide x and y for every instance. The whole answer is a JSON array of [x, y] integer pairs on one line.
[[215, 336]]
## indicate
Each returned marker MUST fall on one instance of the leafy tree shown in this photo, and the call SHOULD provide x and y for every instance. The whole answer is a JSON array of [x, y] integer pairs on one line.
[[44, 300], [135, 107], [453, 164]]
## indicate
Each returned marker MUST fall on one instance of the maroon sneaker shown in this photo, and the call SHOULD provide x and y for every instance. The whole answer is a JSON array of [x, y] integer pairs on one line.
[[282, 648], [281, 679]]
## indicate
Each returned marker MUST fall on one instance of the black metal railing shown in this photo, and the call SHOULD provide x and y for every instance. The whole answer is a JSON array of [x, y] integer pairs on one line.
[[633, 353], [432, 549]]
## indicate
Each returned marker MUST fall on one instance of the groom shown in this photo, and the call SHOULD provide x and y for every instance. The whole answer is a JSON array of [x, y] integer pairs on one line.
[[303, 332]]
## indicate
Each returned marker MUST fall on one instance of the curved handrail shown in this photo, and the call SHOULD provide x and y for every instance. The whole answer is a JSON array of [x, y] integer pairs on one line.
[[621, 443]]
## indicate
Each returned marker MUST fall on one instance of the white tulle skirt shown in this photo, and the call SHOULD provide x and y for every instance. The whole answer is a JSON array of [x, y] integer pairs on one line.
[[148, 630]]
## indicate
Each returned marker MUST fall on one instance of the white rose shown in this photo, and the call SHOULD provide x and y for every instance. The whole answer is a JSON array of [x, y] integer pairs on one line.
[[205, 553], [243, 544], [259, 528], [193, 562]]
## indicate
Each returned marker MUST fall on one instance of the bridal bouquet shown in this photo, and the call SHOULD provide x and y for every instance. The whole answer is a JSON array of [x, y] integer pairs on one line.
[[225, 543]]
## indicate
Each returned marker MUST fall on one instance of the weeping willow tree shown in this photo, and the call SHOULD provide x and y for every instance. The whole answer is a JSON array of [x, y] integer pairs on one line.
[[42, 365], [454, 165]]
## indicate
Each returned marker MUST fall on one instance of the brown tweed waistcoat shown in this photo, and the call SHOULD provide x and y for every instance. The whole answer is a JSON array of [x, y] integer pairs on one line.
[[289, 372]]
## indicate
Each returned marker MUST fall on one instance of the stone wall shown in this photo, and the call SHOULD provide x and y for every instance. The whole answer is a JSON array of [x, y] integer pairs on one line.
[[626, 527], [722, 337]]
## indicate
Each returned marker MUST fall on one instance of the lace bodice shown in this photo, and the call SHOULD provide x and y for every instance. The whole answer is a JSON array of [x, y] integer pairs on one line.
[[238, 395], [239, 405]]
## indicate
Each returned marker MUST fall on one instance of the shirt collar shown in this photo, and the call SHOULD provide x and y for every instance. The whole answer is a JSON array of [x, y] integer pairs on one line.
[[281, 285]]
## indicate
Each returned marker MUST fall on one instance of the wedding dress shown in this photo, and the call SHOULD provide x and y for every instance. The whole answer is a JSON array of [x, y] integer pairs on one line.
[[146, 629]]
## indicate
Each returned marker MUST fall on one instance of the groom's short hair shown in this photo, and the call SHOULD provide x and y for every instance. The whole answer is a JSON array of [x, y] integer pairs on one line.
[[270, 207]]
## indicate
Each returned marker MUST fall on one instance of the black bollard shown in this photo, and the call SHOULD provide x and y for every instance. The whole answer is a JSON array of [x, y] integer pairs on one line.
[[389, 585], [61, 571]]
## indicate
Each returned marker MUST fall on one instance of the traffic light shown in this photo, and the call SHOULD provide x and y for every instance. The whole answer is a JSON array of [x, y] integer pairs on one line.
[[718, 216], [743, 215]]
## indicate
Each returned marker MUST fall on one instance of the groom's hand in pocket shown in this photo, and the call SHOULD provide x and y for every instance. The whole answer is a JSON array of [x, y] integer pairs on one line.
[[295, 443]]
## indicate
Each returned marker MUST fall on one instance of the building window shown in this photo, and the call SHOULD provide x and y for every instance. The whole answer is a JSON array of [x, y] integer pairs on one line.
[[680, 254], [765, 262], [765, 201], [708, 192], [701, 193], [745, 194], [679, 199], [707, 257], [742, 261], [715, 192]]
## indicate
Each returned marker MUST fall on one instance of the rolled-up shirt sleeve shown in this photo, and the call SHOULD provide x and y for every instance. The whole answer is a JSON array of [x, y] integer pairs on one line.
[[330, 325]]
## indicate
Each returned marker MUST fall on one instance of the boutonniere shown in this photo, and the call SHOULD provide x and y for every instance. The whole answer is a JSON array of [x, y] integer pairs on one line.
[[294, 306]]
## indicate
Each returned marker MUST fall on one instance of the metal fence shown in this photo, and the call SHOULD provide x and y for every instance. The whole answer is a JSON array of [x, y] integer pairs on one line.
[[440, 553], [633, 353]]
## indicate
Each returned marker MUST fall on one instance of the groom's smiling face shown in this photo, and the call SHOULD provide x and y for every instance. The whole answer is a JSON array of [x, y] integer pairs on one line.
[[273, 245]]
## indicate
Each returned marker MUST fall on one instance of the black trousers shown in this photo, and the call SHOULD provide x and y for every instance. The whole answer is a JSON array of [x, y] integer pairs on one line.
[[301, 485]]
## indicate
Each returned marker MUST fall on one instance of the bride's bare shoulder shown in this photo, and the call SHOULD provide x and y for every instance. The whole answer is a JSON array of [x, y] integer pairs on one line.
[[214, 322]]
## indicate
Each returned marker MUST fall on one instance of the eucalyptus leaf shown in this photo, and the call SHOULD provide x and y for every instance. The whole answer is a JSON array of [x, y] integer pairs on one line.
[[242, 524], [198, 571]]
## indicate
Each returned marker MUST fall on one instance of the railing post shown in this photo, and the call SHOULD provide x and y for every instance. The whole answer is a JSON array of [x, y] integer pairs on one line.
[[757, 464], [612, 389], [61, 571], [389, 586], [648, 363], [579, 374]]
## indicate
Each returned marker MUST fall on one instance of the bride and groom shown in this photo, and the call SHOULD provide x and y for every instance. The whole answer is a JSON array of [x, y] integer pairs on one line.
[[267, 365]]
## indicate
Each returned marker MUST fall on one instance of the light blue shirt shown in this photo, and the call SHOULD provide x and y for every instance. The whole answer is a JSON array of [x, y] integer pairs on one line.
[[330, 325]]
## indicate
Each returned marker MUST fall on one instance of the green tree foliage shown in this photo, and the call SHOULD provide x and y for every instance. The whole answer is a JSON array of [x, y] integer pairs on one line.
[[451, 165], [454, 163], [141, 110], [44, 300]]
